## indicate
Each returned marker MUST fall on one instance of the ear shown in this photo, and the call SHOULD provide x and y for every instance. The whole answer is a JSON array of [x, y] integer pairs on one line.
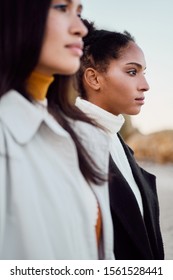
[[91, 78]]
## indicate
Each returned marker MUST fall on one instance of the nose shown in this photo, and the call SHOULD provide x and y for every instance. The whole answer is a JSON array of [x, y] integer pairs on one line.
[[144, 86], [78, 28]]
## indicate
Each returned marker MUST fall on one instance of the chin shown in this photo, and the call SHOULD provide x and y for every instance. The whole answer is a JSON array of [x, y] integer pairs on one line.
[[73, 65], [71, 69], [133, 113], [75, 68]]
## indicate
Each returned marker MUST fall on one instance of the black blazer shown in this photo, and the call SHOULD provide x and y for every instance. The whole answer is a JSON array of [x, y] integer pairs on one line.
[[134, 237]]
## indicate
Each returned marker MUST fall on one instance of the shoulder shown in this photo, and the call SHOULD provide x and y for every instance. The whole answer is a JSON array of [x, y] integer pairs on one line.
[[87, 128], [95, 141], [90, 134]]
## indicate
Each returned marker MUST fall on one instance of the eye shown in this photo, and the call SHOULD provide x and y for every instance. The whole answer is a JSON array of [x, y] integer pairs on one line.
[[132, 72], [79, 11], [60, 7], [79, 15]]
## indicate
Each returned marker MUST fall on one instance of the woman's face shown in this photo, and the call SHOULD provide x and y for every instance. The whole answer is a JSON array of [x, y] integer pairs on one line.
[[124, 84], [62, 45]]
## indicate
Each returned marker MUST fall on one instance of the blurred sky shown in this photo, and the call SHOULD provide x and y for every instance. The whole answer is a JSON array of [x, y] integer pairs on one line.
[[151, 23]]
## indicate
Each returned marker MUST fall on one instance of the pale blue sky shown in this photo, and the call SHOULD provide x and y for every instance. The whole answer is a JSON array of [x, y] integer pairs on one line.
[[151, 23]]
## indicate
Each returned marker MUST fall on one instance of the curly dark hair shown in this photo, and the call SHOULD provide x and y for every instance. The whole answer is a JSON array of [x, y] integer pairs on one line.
[[100, 46]]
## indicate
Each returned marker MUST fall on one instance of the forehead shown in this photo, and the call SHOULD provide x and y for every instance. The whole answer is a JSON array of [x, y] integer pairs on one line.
[[132, 51], [130, 56]]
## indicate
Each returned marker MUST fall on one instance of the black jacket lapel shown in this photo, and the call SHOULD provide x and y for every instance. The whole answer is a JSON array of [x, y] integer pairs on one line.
[[147, 186], [129, 227]]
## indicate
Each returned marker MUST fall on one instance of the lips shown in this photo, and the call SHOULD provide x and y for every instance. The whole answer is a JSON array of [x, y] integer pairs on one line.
[[140, 100], [76, 48]]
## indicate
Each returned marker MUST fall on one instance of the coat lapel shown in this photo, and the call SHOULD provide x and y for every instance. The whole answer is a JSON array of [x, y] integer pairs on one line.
[[144, 181], [125, 208], [147, 186]]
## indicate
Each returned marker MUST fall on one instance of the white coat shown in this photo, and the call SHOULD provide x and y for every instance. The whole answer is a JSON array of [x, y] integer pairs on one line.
[[44, 198]]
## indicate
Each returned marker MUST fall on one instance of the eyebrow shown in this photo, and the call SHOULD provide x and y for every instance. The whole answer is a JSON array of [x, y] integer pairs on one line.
[[80, 6], [136, 64]]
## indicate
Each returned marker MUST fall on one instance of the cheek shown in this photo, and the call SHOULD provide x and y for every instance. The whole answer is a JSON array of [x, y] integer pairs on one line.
[[51, 49], [115, 87], [123, 87], [54, 32]]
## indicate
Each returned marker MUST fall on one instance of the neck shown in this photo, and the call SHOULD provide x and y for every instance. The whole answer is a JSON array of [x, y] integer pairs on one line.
[[38, 84]]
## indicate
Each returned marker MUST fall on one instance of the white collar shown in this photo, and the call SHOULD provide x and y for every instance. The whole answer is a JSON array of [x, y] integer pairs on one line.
[[23, 118], [109, 121]]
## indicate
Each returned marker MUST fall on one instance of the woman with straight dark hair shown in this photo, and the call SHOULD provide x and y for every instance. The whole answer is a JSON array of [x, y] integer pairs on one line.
[[53, 197], [111, 82]]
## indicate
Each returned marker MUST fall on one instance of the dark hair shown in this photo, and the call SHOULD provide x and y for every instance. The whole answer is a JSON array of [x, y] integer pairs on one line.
[[22, 27], [100, 47]]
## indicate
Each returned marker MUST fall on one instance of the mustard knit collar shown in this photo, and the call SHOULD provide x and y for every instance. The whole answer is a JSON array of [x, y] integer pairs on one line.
[[38, 84]]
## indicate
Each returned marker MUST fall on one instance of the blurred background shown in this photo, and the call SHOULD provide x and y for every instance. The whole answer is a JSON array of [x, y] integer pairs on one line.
[[149, 134]]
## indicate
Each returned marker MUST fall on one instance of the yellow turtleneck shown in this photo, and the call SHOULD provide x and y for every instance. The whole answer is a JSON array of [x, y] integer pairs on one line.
[[37, 85]]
